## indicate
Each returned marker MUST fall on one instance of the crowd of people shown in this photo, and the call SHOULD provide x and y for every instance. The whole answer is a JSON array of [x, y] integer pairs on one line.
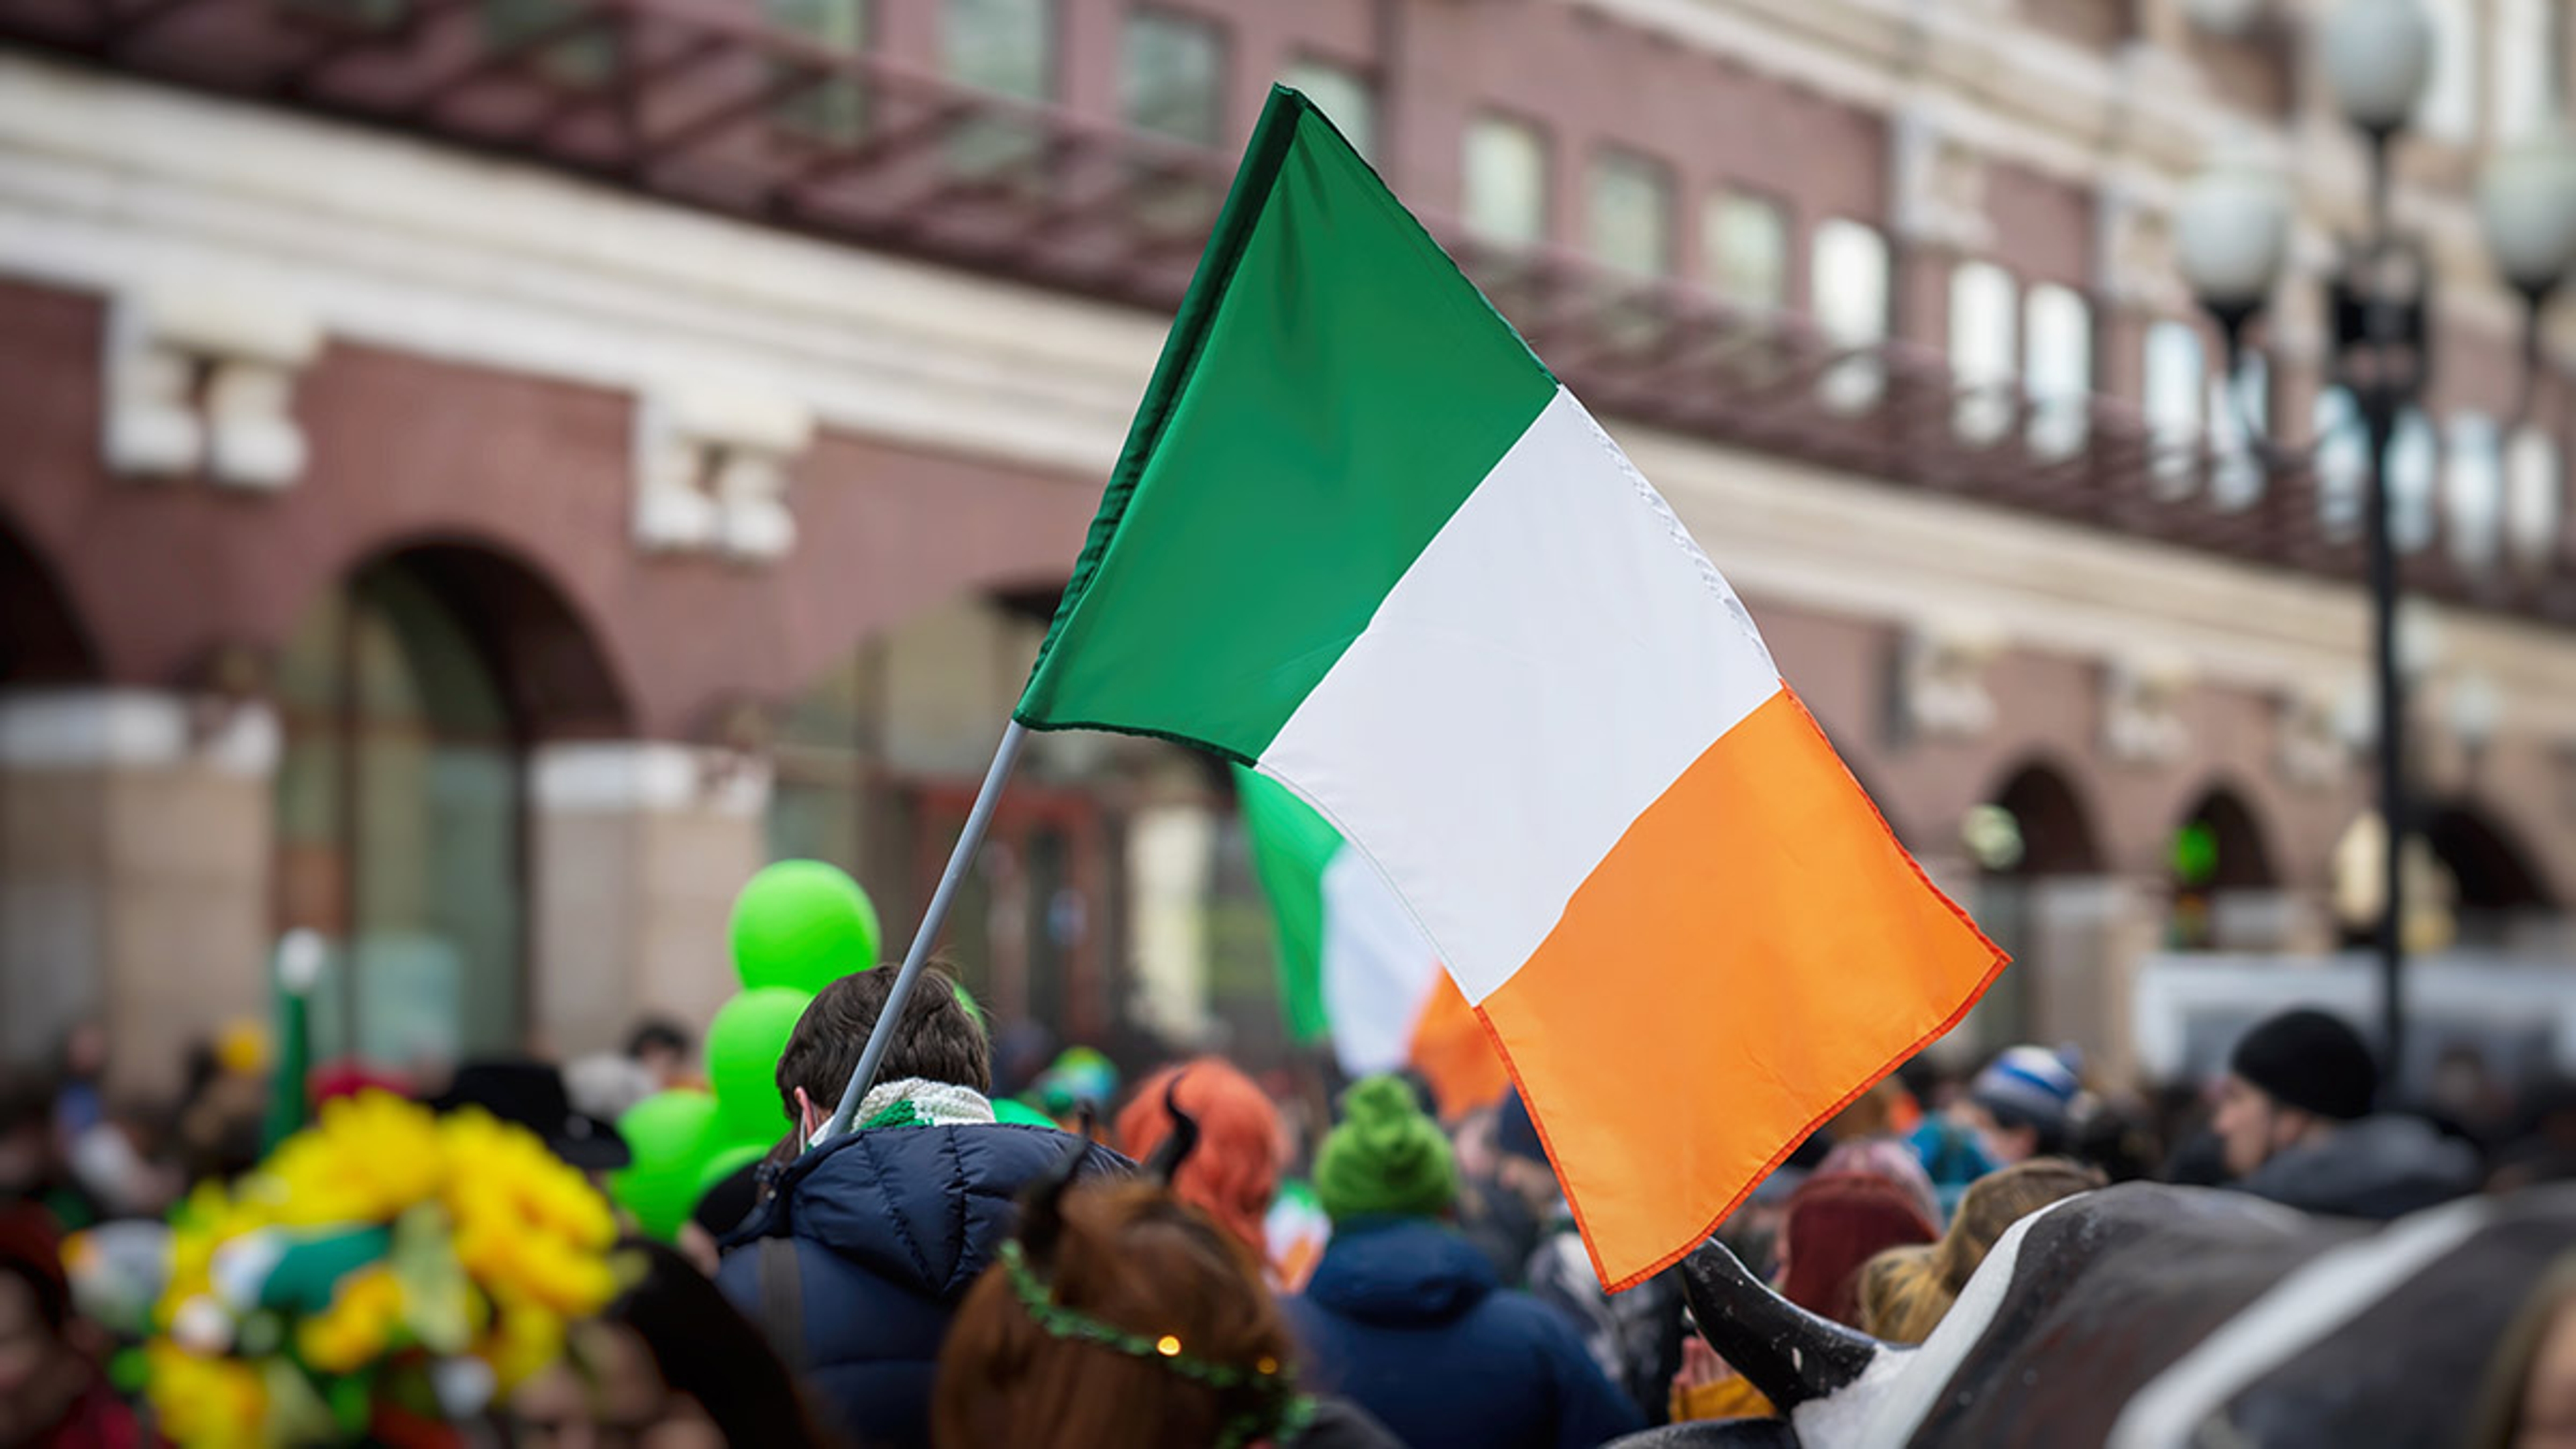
[[1057, 1261]]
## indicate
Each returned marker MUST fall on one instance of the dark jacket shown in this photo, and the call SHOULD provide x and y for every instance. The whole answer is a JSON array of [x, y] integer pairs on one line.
[[889, 1228], [1341, 1424], [1404, 1318], [2379, 1167]]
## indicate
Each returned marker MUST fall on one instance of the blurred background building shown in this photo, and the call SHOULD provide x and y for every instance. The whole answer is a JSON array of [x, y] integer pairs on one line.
[[477, 477]]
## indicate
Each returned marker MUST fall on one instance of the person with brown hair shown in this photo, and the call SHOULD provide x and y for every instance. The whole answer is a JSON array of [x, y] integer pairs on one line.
[[1904, 1292], [1123, 1314], [1127, 1316], [856, 1261]]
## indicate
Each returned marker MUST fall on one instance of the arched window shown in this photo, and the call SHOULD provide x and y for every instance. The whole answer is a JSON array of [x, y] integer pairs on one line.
[[409, 696], [2031, 832], [2218, 853], [398, 823]]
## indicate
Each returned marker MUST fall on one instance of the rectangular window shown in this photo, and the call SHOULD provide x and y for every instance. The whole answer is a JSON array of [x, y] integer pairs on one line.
[[1849, 300], [2240, 409], [581, 56], [1628, 213], [1505, 165], [834, 109], [2414, 477], [2057, 369], [1985, 342], [1006, 47], [1746, 239], [2532, 508], [1172, 77], [2176, 387], [2473, 491], [1002, 46], [2342, 463], [2449, 110], [2527, 61], [1345, 98]]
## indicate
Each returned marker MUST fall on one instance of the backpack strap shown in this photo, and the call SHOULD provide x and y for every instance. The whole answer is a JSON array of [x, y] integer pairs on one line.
[[782, 1300]]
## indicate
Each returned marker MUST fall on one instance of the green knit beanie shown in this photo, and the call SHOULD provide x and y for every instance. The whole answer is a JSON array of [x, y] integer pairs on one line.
[[1386, 1158]]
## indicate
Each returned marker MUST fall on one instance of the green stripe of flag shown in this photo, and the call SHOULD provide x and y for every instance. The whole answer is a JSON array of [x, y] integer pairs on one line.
[[1331, 391], [1291, 845]]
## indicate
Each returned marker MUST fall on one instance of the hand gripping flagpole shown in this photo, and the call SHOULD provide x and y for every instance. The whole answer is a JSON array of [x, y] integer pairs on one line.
[[969, 840]]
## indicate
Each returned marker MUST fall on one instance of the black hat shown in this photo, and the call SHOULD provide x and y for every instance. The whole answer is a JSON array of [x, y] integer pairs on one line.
[[2309, 1060], [1516, 1132], [728, 1200], [531, 1094]]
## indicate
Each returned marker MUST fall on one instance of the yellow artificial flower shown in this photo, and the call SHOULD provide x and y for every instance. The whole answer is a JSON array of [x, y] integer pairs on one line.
[[207, 1220], [370, 1157], [524, 1339], [530, 1235], [205, 1403], [358, 1326]]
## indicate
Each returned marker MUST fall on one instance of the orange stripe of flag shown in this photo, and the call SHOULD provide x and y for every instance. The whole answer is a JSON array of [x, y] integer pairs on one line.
[[1453, 1053], [1756, 951]]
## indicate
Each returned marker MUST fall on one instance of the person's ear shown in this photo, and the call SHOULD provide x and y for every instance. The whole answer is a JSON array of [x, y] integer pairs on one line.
[[809, 1118]]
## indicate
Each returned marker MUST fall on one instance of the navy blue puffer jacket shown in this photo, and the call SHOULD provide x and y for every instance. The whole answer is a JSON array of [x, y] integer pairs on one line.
[[890, 1227], [1404, 1318]]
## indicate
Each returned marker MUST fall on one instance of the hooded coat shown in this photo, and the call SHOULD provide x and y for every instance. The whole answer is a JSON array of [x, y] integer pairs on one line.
[[2378, 1168], [889, 1228], [1405, 1318]]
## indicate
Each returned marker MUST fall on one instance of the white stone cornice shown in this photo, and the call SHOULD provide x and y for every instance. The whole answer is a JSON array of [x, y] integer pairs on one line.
[[617, 777], [95, 728]]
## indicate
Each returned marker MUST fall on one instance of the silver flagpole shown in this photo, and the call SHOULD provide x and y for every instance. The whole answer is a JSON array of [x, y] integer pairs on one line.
[[968, 840]]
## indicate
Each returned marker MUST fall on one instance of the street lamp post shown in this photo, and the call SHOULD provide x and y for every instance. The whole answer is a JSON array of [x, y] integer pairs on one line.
[[2232, 234]]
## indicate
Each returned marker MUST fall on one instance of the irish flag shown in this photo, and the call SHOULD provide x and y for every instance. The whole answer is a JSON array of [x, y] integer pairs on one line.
[[1362, 541], [1354, 966]]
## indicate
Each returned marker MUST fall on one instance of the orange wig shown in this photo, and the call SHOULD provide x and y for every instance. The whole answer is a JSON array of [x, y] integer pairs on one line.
[[1234, 1171]]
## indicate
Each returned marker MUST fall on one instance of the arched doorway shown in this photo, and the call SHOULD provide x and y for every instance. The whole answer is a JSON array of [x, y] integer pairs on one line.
[[2039, 864], [2221, 872], [49, 977], [2499, 899], [408, 697], [41, 639]]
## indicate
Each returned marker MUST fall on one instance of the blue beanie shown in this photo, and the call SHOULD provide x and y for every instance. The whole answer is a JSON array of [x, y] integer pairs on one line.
[[2027, 1086]]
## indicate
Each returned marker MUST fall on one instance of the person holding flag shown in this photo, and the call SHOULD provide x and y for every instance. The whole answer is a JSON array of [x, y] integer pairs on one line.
[[1361, 541]]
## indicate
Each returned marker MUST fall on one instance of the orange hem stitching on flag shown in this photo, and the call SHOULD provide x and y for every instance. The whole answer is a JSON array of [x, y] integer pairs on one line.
[[2002, 959]]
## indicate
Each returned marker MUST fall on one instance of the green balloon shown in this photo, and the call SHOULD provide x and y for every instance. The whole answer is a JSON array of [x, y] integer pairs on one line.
[[743, 1046], [802, 923], [667, 1132]]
